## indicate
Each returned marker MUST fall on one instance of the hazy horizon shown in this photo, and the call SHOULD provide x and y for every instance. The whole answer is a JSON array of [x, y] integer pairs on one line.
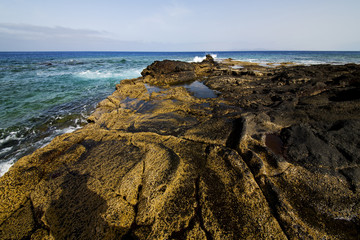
[[159, 51], [179, 26]]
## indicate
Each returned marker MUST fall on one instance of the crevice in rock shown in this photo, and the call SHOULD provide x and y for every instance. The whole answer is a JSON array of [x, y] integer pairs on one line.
[[198, 210], [34, 218], [182, 233], [37, 222], [269, 193], [273, 200], [352, 186], [345, 154], [131, 128], [143, 172], [130, 234], [197, 218], [207, 150], [236, 133]]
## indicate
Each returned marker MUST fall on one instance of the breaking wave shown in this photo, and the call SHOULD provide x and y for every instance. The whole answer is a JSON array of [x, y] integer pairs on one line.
[[200, 59], [130, 73]]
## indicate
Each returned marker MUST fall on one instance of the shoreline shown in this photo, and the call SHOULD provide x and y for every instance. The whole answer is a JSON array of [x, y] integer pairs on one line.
[[256, 161], [13, 154]]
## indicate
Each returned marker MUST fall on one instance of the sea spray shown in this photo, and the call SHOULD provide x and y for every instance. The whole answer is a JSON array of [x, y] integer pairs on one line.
[[200, 59]]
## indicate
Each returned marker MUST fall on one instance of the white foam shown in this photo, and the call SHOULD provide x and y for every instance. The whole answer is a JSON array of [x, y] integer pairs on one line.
[[4, 150], [52, 73], [130, 73], [44, 142], [11, 136], [5, 166], [311, 62], [93, 74], [68, 129], [200, 59]]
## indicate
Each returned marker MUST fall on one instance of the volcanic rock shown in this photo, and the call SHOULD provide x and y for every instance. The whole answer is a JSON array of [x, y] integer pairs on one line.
[[168, 72], [275, 156]]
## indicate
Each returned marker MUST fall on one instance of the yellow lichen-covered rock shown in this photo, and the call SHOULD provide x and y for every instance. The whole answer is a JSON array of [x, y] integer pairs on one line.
[[20, 224]]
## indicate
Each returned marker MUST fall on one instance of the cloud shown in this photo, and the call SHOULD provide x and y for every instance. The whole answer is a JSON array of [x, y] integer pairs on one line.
[[32, 32], [25, 37]]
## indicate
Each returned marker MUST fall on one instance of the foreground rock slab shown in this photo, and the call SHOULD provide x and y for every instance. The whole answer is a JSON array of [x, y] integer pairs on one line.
[[274, 156]]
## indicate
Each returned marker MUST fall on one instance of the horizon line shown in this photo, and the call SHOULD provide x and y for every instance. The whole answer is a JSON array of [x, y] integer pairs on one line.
[[200, 51]]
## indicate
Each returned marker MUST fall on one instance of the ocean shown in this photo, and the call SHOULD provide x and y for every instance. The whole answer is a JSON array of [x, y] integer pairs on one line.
[[45, 94]]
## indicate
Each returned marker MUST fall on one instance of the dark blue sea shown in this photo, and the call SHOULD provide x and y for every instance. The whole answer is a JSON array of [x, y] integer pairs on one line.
[[45, 94]]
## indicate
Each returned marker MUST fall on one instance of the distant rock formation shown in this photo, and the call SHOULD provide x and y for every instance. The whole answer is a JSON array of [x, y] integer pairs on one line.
[[275, 156], [169, 72]]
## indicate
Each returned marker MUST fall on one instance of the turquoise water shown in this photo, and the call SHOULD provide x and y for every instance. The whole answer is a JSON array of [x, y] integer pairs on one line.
[[45, 94]]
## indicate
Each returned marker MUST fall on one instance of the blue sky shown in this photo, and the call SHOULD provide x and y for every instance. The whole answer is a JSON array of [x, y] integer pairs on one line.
[[174, 25]]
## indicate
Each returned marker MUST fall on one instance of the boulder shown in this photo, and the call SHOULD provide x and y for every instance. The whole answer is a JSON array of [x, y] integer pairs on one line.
[[169, 72]]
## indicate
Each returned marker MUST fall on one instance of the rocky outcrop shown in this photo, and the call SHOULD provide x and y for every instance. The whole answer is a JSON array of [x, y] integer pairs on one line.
[[169, 72], [275, 156]]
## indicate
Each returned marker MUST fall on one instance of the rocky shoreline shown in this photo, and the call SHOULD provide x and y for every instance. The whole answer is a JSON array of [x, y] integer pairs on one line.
[[273, 154]]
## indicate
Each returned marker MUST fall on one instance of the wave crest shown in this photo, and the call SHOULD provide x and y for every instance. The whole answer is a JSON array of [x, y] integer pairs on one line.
[[97, 74], [130, 73], [200, 59]]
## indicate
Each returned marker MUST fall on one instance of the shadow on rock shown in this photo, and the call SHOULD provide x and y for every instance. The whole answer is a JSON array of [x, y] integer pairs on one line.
[[76, 214]]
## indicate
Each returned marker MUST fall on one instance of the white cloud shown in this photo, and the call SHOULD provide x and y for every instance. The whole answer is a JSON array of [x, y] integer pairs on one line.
[[24, 37], [32, 31]]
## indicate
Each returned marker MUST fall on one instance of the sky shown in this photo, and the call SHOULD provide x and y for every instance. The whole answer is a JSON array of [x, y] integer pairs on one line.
[[179, 25]]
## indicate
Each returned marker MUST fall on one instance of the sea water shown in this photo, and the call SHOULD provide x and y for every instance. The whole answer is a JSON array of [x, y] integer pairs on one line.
[[45, 94]]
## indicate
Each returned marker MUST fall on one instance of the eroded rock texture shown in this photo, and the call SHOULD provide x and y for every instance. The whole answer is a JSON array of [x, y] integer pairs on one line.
[[275, 156]]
